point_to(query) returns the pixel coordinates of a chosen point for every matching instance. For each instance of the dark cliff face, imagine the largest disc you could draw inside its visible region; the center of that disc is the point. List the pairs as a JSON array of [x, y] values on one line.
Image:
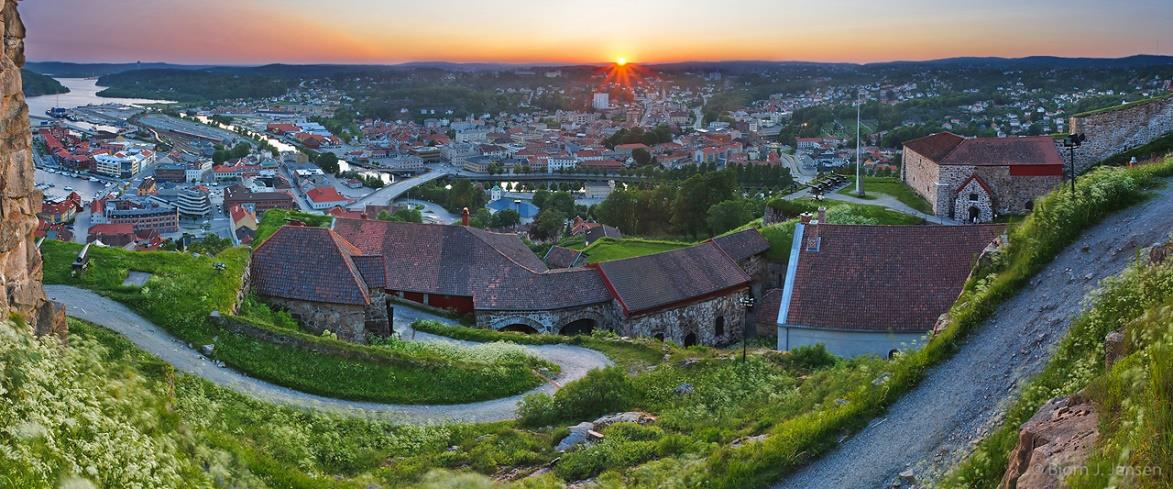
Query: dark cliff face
[[20, 261]]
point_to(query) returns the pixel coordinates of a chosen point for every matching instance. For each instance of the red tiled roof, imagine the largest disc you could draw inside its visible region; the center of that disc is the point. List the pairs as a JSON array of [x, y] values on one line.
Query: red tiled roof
[[1025, 150], [647, 283], [946, 148], [559, 257], [934, 146], [281, 267], [325, 194], [883, 278], [743, 244], [497, 270]]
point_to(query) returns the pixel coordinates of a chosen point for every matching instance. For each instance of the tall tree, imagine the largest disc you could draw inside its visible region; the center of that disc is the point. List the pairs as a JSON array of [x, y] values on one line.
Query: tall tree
[[620, 209]]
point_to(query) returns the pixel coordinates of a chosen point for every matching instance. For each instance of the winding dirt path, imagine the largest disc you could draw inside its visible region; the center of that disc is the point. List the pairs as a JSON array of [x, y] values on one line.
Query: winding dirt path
[[574, 361], [959, 401]]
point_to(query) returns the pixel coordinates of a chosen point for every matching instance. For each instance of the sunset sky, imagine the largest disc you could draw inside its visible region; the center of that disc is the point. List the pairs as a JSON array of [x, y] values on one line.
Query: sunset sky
[[556, 31]]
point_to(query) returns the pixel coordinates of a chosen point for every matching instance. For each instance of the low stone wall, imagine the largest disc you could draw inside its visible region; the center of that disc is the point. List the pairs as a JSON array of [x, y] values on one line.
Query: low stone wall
[[296, 340], [348, 322]]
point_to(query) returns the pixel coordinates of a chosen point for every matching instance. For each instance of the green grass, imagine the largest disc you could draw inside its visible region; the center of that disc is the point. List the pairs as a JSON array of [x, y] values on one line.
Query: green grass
[[892, 187], [634, 354], [101, 402], [1123, 106], [1158, 148], [610, 249], [184, 289], [273, 219]]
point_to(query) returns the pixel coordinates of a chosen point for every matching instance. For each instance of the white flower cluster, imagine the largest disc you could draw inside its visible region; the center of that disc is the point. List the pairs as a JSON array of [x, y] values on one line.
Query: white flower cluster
[[69, 422]]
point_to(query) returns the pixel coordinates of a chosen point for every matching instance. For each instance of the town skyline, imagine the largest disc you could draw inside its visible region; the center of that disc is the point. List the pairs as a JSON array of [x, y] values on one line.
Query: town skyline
[[526, 32]]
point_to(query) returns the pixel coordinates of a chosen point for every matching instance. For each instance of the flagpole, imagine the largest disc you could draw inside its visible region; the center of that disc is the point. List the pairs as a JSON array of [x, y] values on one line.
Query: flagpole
[[858, 178]]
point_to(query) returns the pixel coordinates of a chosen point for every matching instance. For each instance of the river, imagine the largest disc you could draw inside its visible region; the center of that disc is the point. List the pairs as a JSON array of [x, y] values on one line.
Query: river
[[82, 91]]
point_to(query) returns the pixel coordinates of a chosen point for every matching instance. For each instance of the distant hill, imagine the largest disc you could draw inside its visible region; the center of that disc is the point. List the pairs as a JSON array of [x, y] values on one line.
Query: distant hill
[[37, 84], [192, 85], [62, 69], [81, 70]]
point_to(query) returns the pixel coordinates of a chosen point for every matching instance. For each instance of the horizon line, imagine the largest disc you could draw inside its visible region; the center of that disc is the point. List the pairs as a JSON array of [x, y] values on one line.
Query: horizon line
[[558, 64]]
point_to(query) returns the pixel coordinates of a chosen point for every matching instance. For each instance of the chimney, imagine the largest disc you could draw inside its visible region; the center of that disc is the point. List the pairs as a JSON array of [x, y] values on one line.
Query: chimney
[[811, 232], [464, 216], [363, 216], [805, 217]]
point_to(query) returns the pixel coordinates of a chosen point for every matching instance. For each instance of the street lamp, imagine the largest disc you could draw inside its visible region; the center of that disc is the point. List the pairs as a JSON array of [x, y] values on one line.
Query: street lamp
[[747, 302], [1071, 142]]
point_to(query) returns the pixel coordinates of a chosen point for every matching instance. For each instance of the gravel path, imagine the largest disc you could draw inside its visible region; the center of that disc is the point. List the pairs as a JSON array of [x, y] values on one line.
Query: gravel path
[[83, 304], [933, 426]]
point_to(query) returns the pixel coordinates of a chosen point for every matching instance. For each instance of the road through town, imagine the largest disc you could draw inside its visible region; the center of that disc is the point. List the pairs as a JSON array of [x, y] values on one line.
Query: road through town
[[574, 361]]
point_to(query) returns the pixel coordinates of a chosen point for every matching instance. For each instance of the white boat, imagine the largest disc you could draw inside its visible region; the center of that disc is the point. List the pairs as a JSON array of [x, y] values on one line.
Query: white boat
[[93, 179], [68, 189]]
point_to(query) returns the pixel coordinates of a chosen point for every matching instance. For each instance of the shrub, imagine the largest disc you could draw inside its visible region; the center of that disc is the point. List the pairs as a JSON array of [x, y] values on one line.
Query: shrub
[[809, 357], [600, 392]]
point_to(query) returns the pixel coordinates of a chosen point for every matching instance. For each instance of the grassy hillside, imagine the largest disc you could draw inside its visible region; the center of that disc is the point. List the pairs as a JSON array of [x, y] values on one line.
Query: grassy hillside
[[184, 289], [36, 84]]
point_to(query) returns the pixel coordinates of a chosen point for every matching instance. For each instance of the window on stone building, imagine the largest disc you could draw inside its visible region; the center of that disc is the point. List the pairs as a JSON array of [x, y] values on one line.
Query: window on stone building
[[1029, 205], [973, 197], [720, 327]]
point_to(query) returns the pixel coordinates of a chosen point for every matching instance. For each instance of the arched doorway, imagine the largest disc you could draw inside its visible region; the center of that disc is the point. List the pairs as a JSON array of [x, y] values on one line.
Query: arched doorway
[[520, 328], [974, 213], [720, 326], [577, 327], [689, 340]]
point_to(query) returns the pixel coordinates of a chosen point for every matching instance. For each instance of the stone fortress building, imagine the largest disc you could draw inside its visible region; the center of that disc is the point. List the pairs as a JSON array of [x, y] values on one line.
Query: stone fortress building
[[977, 179], [349, 278]]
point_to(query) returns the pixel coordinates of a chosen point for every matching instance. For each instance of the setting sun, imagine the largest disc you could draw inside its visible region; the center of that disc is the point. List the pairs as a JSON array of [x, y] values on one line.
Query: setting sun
[[621, 61]]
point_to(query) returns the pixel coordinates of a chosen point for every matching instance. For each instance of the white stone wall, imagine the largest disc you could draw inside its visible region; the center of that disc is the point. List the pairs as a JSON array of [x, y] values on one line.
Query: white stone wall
[[848, 344]]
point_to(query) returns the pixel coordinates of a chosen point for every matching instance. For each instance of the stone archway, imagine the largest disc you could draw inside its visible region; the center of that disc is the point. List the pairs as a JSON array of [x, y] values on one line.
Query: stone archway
[[579, 322], [519, 328], [578, 326], [519, 324], [974, 214], [689, 339]]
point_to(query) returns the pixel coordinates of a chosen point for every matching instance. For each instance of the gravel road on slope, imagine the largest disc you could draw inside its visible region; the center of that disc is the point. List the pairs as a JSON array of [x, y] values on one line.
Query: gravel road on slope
[[933, 426], [574, 361]]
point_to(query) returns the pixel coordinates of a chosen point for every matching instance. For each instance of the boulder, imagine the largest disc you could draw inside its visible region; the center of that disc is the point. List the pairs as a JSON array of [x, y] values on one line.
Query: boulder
[[1053, 444], [1115, 348], [579, 434], [628, 417]]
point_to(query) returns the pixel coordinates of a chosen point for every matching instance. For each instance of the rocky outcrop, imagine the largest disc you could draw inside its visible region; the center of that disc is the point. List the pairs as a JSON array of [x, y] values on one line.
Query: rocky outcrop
[[1053, 444], [20, 261]]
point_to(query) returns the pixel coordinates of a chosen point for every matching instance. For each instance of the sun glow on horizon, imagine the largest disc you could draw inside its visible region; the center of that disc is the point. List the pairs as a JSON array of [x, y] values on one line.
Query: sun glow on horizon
[[621, 61]]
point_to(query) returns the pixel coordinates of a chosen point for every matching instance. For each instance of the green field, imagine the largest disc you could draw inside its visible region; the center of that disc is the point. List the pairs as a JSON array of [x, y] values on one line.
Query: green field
[[892, 187], [611, 249]]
